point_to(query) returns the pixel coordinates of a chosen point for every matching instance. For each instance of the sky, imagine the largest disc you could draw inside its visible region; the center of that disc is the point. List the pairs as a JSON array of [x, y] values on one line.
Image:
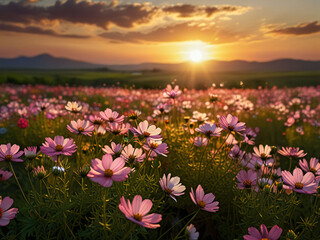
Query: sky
[[126, 31]]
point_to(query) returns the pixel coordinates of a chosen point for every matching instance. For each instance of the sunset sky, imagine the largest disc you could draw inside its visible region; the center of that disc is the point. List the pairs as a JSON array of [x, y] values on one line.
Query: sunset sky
[[118, 32]]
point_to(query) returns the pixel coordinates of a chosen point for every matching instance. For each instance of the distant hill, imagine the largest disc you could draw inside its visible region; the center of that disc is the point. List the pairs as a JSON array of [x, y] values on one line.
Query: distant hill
[[46, 61]]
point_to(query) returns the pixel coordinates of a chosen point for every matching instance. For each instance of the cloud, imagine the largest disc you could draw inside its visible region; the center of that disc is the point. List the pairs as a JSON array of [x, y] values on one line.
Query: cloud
[[104, 15], [37, 30], [177, 33], [300, 29]]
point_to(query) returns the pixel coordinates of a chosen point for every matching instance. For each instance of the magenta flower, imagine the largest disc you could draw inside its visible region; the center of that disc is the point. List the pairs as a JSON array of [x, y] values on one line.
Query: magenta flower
[[199, 141], [118, 128], [247, 180], [81, 127], [291, 152], [314, 166], [299, 182], [96, 121], [10, 153], [231, 123], [6, 214], [58, 146], [171, 186], [107, 170], [236, 153], [204, 201], [156, 146], [146, 131], [138, 210], [254, 233], [114, 150], [112, 117], [30, 152], [132, 155], [4, 175], [209, 129], [170, 92]]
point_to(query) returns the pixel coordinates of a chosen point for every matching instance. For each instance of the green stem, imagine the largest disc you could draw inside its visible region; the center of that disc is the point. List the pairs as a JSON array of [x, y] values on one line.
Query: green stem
[[15, 177]]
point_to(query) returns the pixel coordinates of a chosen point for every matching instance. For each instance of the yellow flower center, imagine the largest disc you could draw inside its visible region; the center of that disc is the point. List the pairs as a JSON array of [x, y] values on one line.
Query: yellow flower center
[[247, 183], [8, 158], [80, 129], [137, 217], [111, 119], [168, 191], [59, 147], [298, 185], [154, 145], [231, 128], [313, 170], [264, 238], [202, 204], [108, 173], [146, 134]]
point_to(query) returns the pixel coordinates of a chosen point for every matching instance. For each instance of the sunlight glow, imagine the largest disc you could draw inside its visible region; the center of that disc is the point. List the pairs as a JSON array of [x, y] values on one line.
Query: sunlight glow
[[196, 56]]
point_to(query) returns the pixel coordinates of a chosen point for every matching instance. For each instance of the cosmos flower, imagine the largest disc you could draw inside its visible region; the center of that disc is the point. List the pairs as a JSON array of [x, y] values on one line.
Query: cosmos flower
[[192, 233], [73, 107], [114, 150], [6, 214], [292, 152], [107, 170], [314, 166], [199, 141], [118, 128], [299, 182], [132, 155], [39, 172], [111, 116], [254, 233], [81, 127], [156, 146], [262, 152], [171, 186], [137, 212], [209, 129], [30, 152], [231, 123], [169, 92], [4, 175], [10, 153], [204, 201], [95, 120], [236, 153], [146, 130], [247, 180], [58, 146]]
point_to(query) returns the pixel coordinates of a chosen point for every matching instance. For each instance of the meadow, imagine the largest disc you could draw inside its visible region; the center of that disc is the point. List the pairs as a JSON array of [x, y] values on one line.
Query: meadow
[[117, 162], [159, 79]]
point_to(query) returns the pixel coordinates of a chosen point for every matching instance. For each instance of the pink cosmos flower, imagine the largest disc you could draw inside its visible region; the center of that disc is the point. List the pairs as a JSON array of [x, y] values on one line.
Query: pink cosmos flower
[[299, 182], [132, 155], [114, 150], [254, 233], [236, 153], [118, 128], [138, 210], [249, 136], [4, 175], [146, 131], [58, 146], [262, 152], [209, 129], [96, 121], [10, 153], [30, 152], [231, 123], [73, 107], [111, 116], [314, 166], [156, 146], [6, 214], [171, 186], [204, 201], [172, 93], [199, 141], [247, 180], [81, 127], [107, 170], [191, 231], [292, 152]]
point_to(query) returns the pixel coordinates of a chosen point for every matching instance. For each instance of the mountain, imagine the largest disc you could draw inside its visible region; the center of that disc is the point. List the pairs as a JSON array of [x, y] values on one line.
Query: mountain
[[45, 61]]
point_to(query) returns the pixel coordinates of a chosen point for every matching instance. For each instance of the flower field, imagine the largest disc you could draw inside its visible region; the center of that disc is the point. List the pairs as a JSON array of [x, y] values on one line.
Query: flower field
[[173, 163]]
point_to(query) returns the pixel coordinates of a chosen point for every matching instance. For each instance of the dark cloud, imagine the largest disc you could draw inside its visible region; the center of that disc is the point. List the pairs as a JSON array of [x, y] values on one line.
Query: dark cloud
[[176, 33], [37, 30], [103, 14], [188, 10], [300, 29]]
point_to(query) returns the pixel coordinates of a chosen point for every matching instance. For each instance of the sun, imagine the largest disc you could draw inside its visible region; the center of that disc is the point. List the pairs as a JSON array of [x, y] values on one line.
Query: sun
[[196, 56]]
